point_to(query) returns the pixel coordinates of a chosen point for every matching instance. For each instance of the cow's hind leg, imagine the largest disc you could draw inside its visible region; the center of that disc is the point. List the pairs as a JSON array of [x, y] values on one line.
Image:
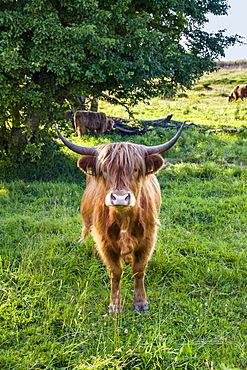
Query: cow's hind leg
[[85, 232]]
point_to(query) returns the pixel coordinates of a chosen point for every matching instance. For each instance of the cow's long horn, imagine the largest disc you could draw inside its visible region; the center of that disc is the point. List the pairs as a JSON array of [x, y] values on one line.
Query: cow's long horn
[[163, 147], [76, 148]]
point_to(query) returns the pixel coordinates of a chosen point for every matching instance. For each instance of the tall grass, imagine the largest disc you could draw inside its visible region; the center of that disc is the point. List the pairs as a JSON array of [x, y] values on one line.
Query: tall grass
[[54, 293]]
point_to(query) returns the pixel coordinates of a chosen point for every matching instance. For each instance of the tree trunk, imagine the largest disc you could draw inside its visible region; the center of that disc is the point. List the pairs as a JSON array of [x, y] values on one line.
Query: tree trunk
[[32, 122], [94, 105]]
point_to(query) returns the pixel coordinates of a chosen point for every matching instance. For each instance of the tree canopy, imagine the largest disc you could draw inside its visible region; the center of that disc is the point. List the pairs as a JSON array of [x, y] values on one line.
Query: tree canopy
[[53, 50]]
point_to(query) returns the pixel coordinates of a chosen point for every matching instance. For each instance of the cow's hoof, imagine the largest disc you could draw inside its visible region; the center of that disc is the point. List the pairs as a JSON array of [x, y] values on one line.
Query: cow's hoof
[[114, 309], [141, 308]]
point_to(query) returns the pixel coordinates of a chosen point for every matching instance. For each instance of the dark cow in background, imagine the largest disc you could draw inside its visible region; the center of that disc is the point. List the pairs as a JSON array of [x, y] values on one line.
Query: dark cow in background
[[239, 92], [120, 208], [92, 121]]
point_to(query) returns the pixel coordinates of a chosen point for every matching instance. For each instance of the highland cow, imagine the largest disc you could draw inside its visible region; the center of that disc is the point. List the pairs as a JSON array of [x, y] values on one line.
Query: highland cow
[[239, 92], [92, 121], [120, 208]]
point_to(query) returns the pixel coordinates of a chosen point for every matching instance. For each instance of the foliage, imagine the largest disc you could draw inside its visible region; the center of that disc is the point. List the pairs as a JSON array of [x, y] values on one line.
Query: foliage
[[53, 50], [54, 294]]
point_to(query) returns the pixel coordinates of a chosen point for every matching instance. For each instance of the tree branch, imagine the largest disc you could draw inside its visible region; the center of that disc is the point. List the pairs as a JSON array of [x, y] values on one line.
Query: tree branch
[[224, 130], [120, 124]]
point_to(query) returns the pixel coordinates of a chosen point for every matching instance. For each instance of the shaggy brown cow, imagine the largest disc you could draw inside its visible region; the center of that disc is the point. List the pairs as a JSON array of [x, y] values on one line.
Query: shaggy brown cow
[[92, 121], [120, 208], [239, 92]]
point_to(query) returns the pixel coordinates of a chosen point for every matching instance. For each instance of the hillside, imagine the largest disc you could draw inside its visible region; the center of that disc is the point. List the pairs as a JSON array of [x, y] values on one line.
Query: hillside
[[205, 104]]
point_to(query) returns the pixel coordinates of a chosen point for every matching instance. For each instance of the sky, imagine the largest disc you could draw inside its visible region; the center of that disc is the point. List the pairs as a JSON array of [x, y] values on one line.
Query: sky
[[234, 23]]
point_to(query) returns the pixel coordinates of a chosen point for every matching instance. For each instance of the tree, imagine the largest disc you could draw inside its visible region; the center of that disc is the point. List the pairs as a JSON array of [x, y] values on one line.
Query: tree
[[54, 50]]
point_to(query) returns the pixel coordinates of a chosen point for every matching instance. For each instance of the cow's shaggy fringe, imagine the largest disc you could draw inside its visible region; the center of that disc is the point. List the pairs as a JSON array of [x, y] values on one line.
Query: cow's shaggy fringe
[[124, 158]]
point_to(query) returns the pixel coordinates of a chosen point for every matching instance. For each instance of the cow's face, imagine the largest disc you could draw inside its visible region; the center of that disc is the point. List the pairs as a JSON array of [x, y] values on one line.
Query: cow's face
[[230, 98], [122, 167], [110, 124]]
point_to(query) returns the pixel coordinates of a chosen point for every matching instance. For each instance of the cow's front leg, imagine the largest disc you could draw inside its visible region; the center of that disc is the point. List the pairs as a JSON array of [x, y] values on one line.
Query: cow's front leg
[[115, 269], [140, 298], [116, 297]]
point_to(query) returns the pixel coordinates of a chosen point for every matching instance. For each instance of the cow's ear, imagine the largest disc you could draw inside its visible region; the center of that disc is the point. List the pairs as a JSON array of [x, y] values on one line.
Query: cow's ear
[[154, 162], [87, 164]]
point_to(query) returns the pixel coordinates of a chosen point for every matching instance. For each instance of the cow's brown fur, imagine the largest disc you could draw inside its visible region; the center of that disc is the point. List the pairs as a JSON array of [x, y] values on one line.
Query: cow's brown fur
[[122, 233], [92, 121], [239, 92]]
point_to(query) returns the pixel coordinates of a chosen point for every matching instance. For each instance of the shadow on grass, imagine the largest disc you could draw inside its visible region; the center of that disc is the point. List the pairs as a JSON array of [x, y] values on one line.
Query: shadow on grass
[[192, 147], [54, 166]]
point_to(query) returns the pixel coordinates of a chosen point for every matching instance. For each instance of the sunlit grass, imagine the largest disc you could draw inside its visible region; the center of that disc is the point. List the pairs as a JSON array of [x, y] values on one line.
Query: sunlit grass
[[206, 104]]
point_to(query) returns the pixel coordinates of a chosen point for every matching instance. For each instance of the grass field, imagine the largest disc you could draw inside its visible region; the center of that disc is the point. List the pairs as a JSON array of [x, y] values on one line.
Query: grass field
[[54, 294], [204, 105]]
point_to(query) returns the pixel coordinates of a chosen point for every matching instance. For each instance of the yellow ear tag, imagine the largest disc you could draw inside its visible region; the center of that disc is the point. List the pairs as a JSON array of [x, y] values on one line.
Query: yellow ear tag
[[151, 169]]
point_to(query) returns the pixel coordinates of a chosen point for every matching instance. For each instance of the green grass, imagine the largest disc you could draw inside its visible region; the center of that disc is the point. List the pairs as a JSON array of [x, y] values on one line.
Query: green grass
[[54, 294]]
